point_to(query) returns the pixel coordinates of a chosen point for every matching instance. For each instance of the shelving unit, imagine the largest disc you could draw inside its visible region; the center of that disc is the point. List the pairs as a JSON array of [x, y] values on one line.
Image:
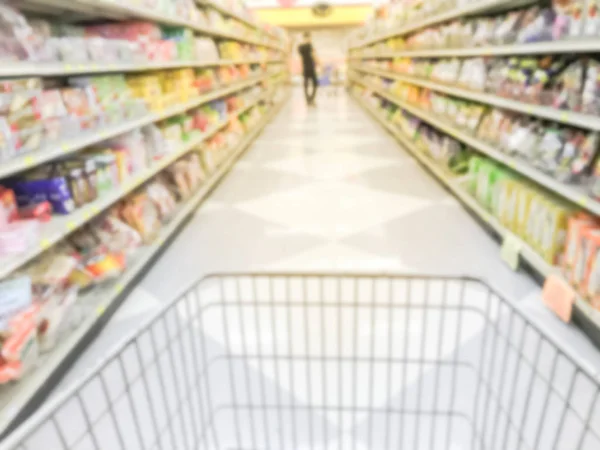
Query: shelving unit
[[111, 9], [365, 59], [527, 254], [33, 159], [572, 193], [20, 398], [24, 397], [536, 48], [587, 121], [446, 14], [59, 227], [66, 69]]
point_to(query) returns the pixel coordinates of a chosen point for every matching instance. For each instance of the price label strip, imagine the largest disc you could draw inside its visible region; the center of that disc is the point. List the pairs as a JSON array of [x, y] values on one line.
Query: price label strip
[[511, 248]]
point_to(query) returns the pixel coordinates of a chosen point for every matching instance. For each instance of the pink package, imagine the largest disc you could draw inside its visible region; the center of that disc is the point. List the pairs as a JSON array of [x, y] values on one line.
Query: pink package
[[130, 31], [18, 237]]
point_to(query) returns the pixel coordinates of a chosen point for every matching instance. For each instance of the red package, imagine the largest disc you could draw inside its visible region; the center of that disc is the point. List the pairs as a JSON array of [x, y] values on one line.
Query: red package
[[42, 212], [8, 206]]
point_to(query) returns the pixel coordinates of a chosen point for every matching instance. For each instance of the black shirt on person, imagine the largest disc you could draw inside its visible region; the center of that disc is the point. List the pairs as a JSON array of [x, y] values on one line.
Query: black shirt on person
[[308, 62]]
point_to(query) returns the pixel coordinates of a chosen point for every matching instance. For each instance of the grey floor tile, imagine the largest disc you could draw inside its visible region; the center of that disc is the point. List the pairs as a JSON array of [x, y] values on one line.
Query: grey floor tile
[[444, 240], [405, 177], [253, 182], [224, 240]]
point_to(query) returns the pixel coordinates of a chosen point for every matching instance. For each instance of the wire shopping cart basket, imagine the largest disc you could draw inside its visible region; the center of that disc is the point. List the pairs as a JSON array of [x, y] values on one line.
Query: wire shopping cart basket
[[249, 362]]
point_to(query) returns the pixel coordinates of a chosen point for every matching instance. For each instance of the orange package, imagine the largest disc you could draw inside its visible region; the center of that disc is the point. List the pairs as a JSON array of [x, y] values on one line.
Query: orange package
[[591, 285], [575, 229]]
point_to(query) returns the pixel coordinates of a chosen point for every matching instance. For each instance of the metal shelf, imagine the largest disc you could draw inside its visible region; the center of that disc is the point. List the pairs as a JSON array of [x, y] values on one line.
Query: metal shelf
[[19, 69], [538, 48], [535, 261], [113, 9], [586, 121], [470, 9], [235, 16], [573, 193], [60, 226], [20, 399], [27, 161]]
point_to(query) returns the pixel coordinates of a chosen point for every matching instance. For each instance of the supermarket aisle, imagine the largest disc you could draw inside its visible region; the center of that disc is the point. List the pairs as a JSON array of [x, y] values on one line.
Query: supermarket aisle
[[326, 189]]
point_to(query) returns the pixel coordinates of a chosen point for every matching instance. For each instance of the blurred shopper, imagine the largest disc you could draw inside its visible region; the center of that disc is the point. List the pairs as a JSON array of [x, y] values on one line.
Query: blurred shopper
[[309, 68]]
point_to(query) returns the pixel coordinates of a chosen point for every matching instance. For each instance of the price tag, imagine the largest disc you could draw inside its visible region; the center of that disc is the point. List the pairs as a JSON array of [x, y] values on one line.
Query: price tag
[[71, 226], [45, 244], [119, 288], [65, 147], [68, 67], [583, 201], [564, 116], [511, 248], [559, 296], [529, 110], [29, 161], [100, 310]]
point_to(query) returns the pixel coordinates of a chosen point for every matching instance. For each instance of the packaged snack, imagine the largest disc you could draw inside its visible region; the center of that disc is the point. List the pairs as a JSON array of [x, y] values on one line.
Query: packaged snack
[[19, 236], [591, 89], [550, 147], [15, 297], [55, 318], [536, 25], [553, 232], [20, 349], [41, 211], [571, 82], [19, 42], [576, 227], [61, 192], [8, 206], [117, 236], [139, 212], [162, 199]]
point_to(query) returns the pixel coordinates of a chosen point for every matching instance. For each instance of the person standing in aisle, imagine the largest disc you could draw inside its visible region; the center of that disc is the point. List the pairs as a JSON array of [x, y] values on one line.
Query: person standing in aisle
[[309, 63]]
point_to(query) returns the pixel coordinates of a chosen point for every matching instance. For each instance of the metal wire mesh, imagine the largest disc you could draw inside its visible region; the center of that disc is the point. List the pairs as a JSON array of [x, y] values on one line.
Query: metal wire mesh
[[329, 362]]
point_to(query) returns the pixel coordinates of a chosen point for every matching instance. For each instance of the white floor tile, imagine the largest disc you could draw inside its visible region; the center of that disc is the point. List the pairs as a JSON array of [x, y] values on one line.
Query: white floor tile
[[332, 209]]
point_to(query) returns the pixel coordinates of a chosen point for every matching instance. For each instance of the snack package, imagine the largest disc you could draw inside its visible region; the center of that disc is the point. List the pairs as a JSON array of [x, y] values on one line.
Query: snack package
[[576, 226], [20, 349], [582, 252], [19, 236], [116, 235], [140, 213], [590, 255], [162, 199], [591, 286]]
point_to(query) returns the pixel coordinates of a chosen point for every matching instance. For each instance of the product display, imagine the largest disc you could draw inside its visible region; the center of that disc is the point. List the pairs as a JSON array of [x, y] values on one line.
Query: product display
[[101, 167], [558, 21], [514, 136]]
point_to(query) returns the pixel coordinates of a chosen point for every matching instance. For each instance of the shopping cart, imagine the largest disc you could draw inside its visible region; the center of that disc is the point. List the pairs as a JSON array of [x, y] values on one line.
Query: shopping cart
[[329, 362]]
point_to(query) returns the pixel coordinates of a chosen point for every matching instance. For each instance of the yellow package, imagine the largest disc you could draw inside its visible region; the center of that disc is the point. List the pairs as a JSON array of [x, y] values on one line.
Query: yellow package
[[507, 205], [522, 213], [553, 233]]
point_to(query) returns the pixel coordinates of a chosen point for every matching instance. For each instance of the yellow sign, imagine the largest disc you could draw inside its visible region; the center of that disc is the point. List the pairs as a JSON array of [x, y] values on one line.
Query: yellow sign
[[305, 17]]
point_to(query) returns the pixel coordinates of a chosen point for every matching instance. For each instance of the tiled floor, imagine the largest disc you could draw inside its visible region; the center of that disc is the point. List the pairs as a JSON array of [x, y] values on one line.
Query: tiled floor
[[325, 189]]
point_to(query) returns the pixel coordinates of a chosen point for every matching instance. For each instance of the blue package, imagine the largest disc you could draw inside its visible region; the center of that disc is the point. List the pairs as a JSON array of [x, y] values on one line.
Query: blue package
[[54, 190]]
